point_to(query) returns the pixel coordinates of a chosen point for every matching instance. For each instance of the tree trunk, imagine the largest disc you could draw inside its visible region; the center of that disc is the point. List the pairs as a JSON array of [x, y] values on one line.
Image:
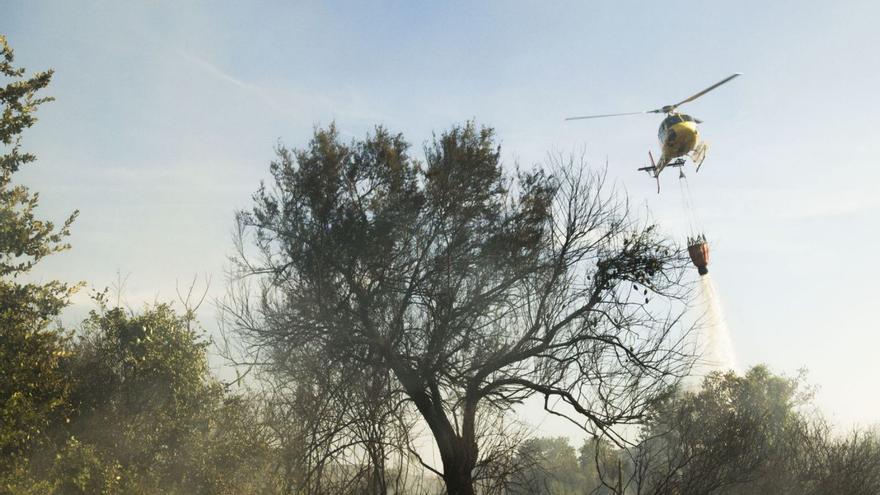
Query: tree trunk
[[458, 469], [461, 459], [459, 484], [458, 453]]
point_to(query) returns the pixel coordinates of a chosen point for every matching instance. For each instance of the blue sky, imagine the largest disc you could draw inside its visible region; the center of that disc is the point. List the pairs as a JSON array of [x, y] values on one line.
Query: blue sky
[[167, 114]]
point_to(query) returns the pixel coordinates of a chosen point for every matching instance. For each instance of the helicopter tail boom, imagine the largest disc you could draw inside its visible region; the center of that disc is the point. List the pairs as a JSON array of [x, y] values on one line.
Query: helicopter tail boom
[[653, 170]]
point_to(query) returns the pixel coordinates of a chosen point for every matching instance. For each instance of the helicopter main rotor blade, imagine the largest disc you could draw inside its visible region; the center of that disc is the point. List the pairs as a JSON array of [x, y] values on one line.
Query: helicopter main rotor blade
[[604, 115], [665, 109], [701, 93]]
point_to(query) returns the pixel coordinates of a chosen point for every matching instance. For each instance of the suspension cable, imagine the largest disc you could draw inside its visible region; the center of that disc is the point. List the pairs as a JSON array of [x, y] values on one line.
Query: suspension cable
[[689, 207]]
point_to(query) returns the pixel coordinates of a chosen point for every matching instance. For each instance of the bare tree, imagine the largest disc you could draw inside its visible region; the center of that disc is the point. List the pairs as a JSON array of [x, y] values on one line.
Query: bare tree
[[337, 430], [473, 290], [849, 465]]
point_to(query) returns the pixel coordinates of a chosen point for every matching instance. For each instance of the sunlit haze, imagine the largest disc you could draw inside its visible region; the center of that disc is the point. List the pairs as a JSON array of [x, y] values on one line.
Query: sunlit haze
[[167, 115]]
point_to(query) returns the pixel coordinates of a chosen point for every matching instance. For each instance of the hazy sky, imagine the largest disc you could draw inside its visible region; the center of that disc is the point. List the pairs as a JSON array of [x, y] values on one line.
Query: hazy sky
[[167, 114]]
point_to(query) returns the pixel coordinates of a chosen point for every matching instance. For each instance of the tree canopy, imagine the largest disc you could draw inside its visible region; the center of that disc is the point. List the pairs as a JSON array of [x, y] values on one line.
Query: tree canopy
[[125, 404], [473, 288], [32, 392]]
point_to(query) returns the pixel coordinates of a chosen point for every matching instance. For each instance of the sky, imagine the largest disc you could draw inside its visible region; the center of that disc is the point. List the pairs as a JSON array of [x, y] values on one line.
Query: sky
[[167, 115]]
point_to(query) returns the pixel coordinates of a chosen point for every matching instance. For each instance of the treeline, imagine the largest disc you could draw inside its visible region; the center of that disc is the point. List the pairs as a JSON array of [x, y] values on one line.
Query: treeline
[[737, 435], [124, 403], [394, 303]]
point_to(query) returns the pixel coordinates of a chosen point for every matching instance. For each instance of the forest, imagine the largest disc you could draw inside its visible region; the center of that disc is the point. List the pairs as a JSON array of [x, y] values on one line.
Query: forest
[[382, 307]]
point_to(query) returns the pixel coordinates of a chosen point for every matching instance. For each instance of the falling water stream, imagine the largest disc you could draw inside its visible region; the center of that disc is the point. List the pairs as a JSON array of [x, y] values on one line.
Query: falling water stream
[[711, 338]]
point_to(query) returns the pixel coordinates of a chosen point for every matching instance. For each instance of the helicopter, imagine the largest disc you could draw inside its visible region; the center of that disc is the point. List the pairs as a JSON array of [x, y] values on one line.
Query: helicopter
[[678, 135]]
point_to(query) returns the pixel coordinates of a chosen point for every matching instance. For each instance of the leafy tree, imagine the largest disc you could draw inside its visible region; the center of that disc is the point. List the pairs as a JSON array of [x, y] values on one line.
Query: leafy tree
[[602, 465], [130, 406], [471, 289], [145, 401], [739, 434], [140, 388], [80, 469], [33, 390], [844, 465], [554, 469]]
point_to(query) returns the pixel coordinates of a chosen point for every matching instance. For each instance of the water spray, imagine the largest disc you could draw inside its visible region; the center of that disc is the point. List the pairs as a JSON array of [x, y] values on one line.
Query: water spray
[[713, 343]]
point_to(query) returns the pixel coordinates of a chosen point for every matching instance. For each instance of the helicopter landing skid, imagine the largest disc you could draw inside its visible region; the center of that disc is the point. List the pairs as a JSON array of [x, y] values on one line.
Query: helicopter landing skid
[[654, 172]]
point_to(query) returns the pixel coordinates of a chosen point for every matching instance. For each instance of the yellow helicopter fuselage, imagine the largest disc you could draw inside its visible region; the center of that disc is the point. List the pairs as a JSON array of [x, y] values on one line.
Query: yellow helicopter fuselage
[[678, 136]]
